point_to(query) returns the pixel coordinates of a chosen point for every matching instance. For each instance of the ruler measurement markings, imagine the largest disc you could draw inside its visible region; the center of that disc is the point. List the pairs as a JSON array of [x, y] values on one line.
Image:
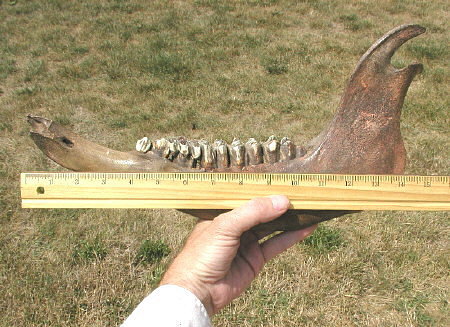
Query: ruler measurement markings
[[85, 181]]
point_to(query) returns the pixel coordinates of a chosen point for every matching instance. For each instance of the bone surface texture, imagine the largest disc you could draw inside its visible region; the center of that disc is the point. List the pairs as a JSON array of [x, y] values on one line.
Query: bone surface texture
[[363, 137]]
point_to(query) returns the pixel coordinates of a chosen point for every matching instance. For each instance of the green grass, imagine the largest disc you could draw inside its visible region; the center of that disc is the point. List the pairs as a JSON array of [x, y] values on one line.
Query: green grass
[[115, 71], [325, 239], [151, 252], [89, 250]]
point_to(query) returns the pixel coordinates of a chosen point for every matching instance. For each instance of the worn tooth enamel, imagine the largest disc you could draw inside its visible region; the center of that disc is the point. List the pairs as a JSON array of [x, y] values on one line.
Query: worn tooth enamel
[[237, 153], [143, 145], [161, 147], [183, 148], [287, 149], [370, 107], [184, 157], [196, 152], [271, 150], [254, 152], [221, 152], [172, 145], [208, 160]]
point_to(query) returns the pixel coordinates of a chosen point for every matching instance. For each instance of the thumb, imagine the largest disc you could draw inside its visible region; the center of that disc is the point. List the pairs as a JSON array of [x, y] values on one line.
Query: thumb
[[254, 212]]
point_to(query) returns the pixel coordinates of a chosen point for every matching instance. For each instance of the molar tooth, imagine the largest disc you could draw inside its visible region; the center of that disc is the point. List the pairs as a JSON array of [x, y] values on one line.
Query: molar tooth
[[271, 150], [287, 149], [237, 153], [208, 159], [143, 145], [183, 148], [196, 152], [254, 152], [221, 152], [161, 147], [173, 148], [184, 157]]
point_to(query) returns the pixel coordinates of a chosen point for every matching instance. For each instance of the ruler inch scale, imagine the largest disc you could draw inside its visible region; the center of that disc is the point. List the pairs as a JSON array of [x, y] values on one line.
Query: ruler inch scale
[[229, 190]]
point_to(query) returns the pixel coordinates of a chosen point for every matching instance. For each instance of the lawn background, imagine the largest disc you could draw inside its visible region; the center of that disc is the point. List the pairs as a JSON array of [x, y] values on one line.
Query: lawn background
[[115, 71]]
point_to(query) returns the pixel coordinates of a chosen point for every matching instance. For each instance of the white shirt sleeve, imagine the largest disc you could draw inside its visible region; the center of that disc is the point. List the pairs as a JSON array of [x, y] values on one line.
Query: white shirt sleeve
[[169, 306]]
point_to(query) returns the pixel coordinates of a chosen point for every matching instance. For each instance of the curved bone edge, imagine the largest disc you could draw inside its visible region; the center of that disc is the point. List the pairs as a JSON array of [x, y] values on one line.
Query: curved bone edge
[[377, 59], [291, 220], [364, 136], [299, 219], [76, 153]]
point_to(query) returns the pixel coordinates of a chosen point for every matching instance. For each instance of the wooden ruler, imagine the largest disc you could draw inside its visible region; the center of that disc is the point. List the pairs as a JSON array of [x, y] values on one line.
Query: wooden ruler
[[229, 190]]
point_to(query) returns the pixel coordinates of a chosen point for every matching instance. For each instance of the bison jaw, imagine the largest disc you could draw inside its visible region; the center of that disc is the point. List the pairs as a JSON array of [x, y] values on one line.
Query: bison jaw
[[363, 137]]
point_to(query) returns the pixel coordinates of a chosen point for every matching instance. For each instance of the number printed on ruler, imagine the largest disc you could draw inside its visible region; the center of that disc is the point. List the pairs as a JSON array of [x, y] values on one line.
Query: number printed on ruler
[[227, 190]]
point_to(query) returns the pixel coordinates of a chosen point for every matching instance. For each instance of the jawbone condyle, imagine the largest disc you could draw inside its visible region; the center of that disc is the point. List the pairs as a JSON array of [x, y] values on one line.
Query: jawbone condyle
[[363, 138]]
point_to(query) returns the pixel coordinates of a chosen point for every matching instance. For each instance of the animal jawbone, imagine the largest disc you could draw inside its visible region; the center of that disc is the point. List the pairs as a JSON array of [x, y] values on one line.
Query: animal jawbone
[[363, 138]]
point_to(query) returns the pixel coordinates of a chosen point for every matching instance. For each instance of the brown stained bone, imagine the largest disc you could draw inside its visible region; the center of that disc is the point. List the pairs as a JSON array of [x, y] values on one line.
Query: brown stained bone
[[253, 152], [288, 149], [196, 152], [172, 145], [161, 147], [221, 154], [271, 150], [184, 158], [237, 154], [363, 137], [208, 159], [300, 151], [76, 153]]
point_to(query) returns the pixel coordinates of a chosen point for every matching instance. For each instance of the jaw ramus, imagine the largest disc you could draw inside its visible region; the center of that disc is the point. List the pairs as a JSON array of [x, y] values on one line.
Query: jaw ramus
[[363, 138]]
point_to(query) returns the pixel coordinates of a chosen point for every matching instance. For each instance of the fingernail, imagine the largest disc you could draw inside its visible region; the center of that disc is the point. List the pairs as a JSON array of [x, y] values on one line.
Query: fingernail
[[279, 202]]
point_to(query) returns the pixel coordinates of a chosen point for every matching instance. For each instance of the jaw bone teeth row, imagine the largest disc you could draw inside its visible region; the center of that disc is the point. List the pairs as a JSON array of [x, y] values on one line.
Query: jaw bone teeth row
[[201, 154], [375, 93]]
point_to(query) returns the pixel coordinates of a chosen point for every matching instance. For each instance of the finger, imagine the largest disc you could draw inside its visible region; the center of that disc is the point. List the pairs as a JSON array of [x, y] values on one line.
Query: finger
[[283, 241], [248, 237], [254, 212]]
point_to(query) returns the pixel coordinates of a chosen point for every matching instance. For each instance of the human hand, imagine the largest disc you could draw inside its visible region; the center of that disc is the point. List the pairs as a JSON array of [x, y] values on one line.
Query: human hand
[[222, 256]]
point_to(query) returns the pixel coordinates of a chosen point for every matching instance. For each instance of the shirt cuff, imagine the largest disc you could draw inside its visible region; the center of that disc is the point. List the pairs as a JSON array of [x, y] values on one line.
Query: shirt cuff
[[169, 305]]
